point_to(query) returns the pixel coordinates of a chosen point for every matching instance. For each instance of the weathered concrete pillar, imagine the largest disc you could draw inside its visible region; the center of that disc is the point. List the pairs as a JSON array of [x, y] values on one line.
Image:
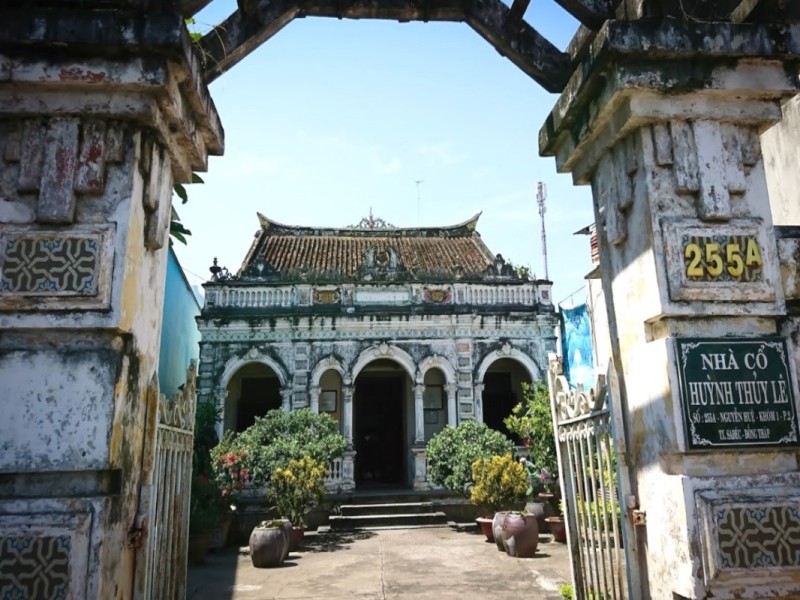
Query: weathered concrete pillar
[[100, 111], [347, 414], [478, 395], [419, 415], [313, 396], [452, 413], [668, 138], [286, 399]]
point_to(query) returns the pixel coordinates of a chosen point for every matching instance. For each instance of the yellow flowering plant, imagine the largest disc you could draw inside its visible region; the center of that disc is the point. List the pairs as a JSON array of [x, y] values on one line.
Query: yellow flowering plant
[[499, 482], [298, 488]]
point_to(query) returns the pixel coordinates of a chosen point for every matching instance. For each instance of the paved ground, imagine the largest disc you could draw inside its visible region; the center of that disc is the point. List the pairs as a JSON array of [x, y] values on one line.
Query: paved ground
[[417, 564]]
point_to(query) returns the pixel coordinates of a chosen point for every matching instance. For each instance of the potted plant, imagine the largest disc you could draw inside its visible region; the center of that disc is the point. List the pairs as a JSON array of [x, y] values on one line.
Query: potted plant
[[231, 477], [270, 444], [295, 490], [204, 515], [499, 482], [557, 526]]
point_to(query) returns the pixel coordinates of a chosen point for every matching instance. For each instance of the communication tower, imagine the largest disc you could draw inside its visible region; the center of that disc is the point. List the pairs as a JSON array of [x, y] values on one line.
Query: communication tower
[[541, 196]]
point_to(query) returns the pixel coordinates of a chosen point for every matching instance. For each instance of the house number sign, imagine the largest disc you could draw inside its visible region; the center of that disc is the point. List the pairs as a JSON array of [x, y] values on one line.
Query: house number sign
[[736, 393], [722, 258]]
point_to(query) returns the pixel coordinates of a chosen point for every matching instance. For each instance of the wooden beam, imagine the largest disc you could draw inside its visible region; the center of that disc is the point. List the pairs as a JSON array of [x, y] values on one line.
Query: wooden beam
[[522, 45], [741, 12], [592, 13]]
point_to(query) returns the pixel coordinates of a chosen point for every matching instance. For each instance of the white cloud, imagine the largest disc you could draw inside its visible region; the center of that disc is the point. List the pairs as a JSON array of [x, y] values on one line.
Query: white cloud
[[442, 153], [387, 167]]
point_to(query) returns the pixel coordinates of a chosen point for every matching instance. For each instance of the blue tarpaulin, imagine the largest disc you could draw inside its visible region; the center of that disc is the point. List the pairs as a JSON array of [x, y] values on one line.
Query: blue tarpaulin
[[576, 346]]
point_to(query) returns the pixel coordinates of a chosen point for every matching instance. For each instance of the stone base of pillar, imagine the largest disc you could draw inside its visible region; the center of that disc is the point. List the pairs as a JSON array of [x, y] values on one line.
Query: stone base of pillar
[[420, 469], [348, 471]]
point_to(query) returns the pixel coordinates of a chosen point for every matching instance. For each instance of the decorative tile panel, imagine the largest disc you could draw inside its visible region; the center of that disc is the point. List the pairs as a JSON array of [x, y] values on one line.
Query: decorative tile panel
[[758, 536], [55, 270], [750, 531], [45, 555], [34, 567]]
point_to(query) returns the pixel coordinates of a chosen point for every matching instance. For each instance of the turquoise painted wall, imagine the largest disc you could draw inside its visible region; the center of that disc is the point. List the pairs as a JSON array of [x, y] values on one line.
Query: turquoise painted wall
[[180, 337]]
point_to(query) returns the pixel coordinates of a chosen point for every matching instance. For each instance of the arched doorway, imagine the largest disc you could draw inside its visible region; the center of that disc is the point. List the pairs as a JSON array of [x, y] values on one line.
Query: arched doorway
[[502, 391], [382, 408], [252, 391]]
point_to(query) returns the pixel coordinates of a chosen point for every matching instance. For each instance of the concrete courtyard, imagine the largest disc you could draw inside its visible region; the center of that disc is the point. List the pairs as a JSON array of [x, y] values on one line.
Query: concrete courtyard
[[427, 563]]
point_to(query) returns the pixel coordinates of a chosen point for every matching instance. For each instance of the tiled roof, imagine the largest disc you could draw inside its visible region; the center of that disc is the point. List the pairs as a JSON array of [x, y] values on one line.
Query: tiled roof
[[356, 252]]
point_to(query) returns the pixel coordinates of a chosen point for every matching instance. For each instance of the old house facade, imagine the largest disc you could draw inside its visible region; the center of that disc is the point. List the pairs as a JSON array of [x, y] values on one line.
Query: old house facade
[[396, 332]]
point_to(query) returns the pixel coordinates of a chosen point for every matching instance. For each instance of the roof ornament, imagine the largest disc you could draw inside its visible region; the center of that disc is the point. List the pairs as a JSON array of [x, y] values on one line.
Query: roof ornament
[[219, 273], [371, 222]]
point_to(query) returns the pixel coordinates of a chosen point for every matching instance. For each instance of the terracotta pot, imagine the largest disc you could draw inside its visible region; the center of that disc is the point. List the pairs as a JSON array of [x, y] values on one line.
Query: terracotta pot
[[199, 544], [486, 528], [520, 535], [269, 546], [541, 509], [497, 529], [296, 537], [557, 528]]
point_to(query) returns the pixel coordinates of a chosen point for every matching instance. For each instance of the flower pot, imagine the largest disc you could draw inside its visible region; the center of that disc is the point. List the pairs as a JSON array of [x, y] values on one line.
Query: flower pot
[[541, 509], [486, 528], [497, 529], [520, 534], [269, 545], [219, 535], [296, 537], [557, 528], [199, 543]]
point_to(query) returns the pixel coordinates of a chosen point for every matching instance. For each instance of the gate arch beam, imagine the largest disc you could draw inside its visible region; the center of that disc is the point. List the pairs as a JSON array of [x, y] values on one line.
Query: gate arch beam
[[245, 30]]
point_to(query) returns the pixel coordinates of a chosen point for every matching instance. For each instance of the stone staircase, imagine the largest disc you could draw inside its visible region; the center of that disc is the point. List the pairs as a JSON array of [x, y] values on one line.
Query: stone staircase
[[378, 514]]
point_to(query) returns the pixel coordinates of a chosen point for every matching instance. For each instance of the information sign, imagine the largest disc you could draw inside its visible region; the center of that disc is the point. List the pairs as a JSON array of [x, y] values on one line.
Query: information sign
[[736, 393]]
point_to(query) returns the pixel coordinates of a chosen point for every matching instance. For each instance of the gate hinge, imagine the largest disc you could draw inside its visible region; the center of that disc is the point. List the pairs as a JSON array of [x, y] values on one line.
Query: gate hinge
[[137, 532], [638, 516]]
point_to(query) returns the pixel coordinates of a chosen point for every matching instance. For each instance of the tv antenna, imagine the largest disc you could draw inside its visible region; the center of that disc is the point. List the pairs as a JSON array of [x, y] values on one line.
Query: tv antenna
[[418, 181], [541, 197]]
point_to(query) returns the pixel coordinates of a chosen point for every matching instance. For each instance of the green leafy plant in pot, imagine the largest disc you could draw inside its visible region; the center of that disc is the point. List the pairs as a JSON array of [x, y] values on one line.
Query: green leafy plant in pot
[[295, 490], [499, 482]]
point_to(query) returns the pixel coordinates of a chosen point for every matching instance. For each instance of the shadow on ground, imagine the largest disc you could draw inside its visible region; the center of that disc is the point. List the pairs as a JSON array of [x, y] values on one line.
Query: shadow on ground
[[334, 540]]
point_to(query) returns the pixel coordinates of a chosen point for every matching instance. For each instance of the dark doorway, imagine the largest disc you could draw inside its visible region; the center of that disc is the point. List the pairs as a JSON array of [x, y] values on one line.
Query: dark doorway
[[498, 400], [378, 426], [259, 396]]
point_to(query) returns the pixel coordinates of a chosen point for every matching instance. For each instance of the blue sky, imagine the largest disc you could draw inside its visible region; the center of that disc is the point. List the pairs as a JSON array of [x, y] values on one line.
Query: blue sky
[[329, 119]]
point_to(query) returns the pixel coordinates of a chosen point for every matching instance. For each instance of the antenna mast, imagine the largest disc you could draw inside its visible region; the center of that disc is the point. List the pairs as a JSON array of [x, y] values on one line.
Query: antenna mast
[[541, 196]]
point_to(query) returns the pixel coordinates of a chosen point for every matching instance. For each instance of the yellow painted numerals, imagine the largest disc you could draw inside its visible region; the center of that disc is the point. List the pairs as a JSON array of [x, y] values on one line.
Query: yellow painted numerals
[[737, 258]]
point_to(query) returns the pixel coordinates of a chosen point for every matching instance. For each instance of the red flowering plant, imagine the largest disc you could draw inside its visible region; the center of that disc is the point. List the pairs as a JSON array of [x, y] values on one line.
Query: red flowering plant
[[229, 468]]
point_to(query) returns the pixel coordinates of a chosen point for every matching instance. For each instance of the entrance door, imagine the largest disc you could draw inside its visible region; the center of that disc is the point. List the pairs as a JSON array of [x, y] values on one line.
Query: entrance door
[[378, 430]]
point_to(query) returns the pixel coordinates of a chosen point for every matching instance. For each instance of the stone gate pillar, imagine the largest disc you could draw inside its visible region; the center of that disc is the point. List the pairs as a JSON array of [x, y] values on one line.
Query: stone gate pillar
[[668, 138], [100, 111]]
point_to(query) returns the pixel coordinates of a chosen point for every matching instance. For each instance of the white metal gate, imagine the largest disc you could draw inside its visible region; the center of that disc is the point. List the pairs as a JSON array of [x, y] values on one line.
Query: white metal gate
[[593, 481], [166, 494]]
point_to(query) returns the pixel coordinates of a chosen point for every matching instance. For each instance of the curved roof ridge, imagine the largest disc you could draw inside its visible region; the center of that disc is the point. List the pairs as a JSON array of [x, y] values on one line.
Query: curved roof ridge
[[267, 223]]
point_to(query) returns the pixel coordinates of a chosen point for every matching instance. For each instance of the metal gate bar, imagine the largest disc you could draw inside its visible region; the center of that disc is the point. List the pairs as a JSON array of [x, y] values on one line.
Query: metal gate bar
[[589, 481]]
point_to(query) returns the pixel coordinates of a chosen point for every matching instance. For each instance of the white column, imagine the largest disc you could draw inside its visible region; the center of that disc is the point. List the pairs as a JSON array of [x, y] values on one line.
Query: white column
[[452, 416], [419, 415], [478, 399], [286, 400], [347, 392], [313, 397]]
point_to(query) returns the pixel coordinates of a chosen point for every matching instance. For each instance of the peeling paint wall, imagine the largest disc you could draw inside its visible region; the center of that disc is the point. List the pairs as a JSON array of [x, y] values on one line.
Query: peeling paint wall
[[781, 160]]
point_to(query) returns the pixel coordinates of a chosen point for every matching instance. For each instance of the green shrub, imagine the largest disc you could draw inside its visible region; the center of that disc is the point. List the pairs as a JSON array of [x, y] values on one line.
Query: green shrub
[[566, 592], [499, 482], [452, 451], [274, 440], [532, 421]]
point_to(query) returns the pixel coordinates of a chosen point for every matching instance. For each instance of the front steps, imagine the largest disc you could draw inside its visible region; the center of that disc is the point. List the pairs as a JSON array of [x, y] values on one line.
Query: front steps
[[387, 515]]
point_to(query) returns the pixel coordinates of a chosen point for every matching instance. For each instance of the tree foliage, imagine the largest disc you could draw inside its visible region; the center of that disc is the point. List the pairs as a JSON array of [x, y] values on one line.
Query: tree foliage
[[452, 451], [532, 420]]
